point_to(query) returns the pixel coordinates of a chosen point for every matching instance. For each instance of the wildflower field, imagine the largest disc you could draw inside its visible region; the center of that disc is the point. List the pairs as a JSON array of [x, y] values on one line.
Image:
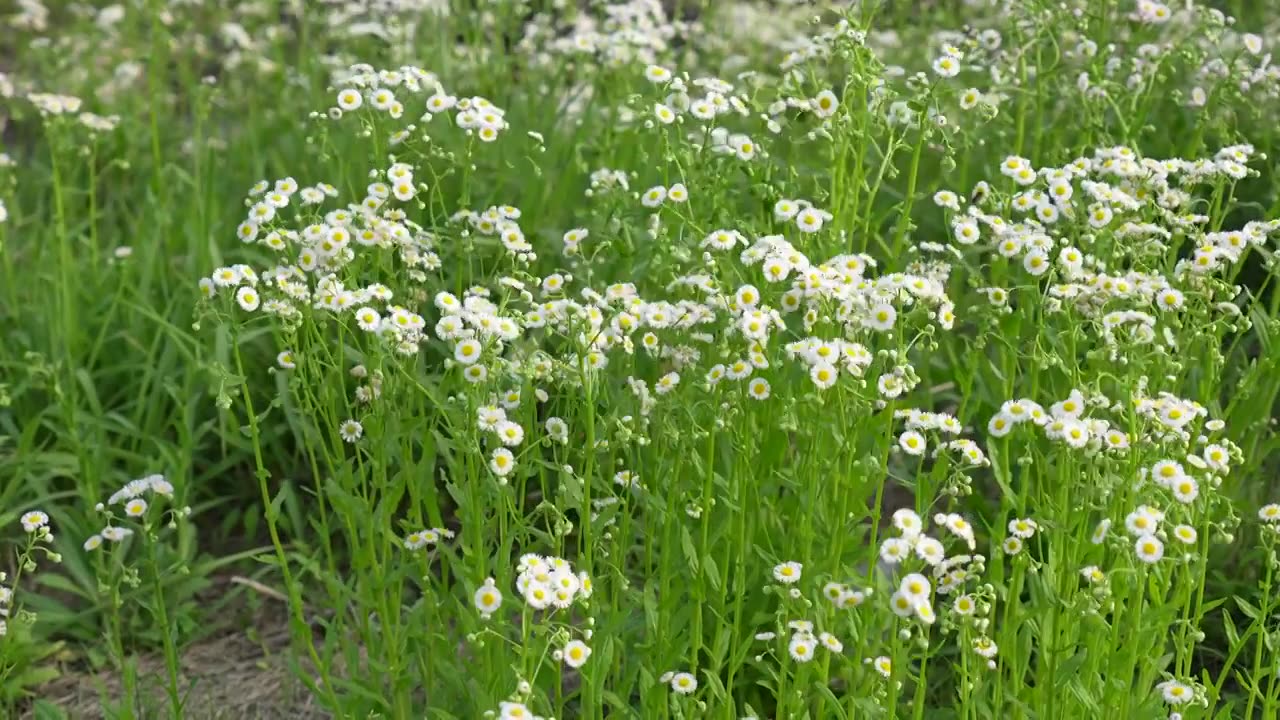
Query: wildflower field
[[639, 359]]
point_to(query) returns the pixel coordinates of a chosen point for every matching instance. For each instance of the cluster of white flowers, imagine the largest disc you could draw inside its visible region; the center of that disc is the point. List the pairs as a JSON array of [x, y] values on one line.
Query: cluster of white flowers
[[420, 539], [734, 310], [133, 499], [550, 582]]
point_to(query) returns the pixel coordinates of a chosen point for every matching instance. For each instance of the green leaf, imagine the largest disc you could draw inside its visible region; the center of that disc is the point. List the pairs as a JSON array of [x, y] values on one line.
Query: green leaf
[[1252, 612], [690, 554], [651, 607], [45, 710], [715, 687], [1233, 635], [273, 512], [1211, 605], [63, 584], [343, 502], [1069, 668], [711, 572]]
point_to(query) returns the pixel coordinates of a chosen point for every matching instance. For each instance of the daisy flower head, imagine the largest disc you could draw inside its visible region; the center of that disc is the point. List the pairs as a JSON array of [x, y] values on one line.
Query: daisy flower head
[[1149, 549], [785, 209], [419, 539], [350, 430], [1023, 527], [467, 351], [510, 433], [894, 550], [946, 199], [787, 573], [115, 534], [882, 317], [683, 683], [657, 74], [902, 604], [985, 647], [851, 599], [488, 598], [824, 104], [966, 231], [349, 99], [508, 710], [1185, 490], [883, 665], [810, 219], [916, 587], [924, 611], [912, 443], [1185, 534], [1167, 472], [1000, 424], [833, 590], [1175, 693], [208, 288], [930, 550], [823, 375], [1216, 457], [475, 374], [34, 520], [248, 298], [654, 196], [907, 522], [831, 642], [801, 647], [368, 319], [502, 462], [576, 653], [1142, 521], [946, 66]]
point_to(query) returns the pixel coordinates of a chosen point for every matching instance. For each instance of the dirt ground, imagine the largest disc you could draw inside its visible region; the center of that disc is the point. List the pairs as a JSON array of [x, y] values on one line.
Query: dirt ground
[[235, 674]]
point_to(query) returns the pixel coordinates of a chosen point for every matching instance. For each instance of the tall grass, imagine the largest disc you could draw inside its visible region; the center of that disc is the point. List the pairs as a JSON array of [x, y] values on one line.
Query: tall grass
[[790, 361]]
